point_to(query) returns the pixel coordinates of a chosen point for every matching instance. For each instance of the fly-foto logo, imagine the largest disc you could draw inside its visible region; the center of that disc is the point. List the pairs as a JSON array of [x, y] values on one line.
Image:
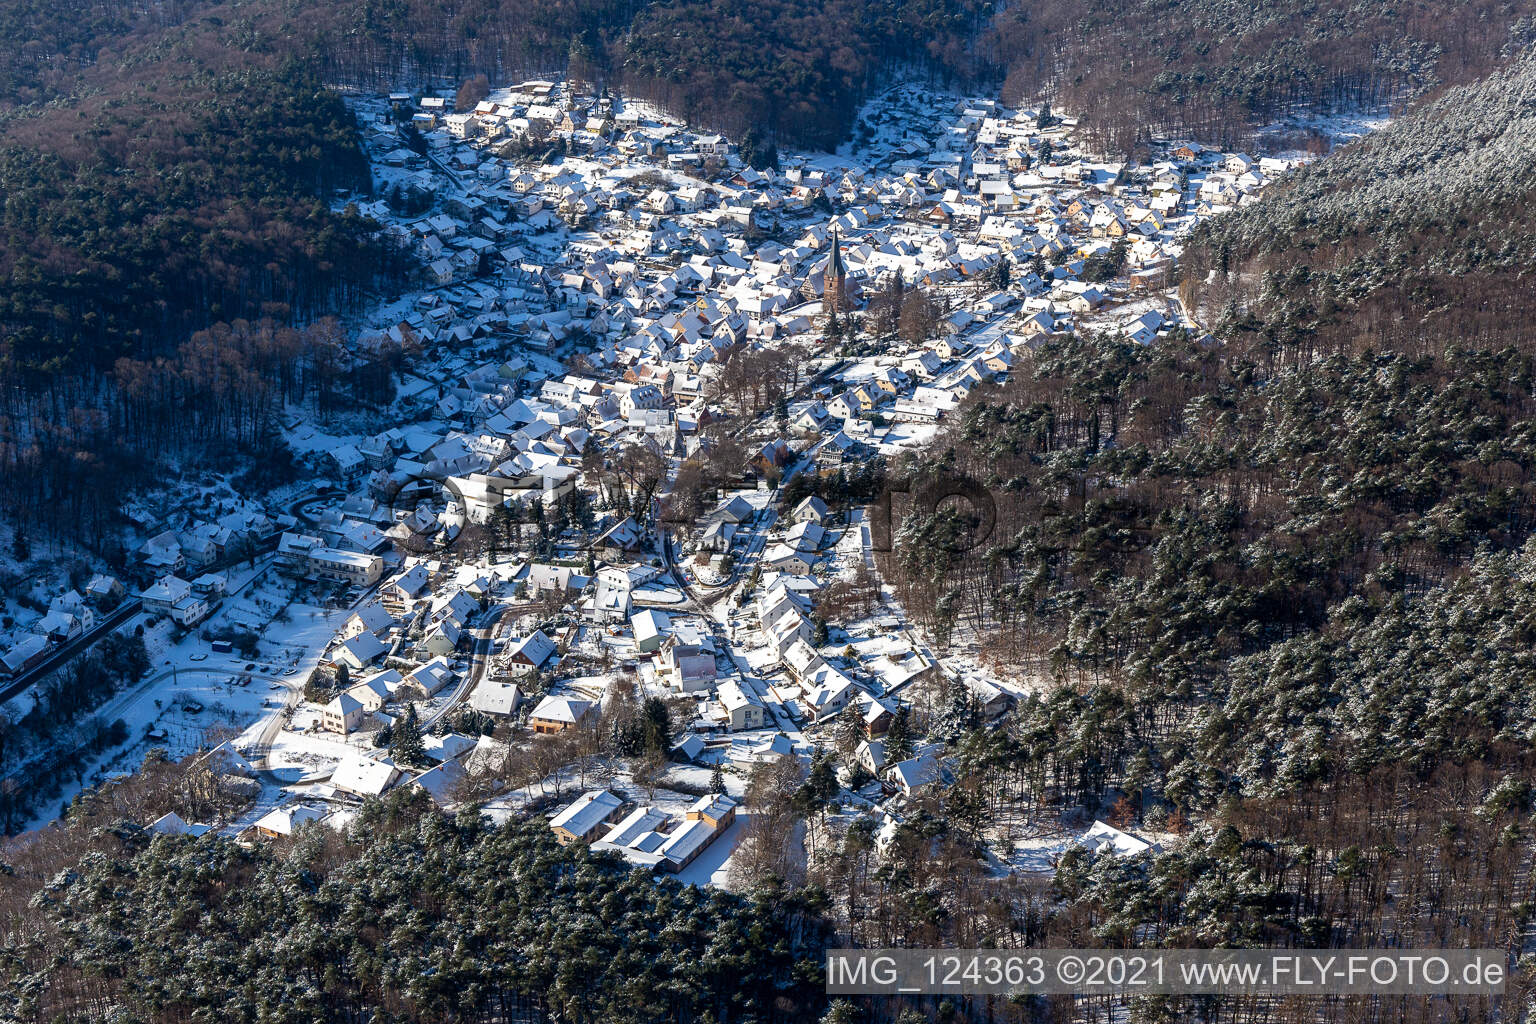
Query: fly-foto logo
[[415, 502], [971, 504]]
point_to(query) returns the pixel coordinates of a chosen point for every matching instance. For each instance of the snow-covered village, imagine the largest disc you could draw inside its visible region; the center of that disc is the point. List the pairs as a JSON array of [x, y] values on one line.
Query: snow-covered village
[[606, 556], [695, 512]]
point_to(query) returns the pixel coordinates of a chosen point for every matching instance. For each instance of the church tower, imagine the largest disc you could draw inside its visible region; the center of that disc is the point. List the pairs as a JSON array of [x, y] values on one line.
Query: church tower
[[835, 280]]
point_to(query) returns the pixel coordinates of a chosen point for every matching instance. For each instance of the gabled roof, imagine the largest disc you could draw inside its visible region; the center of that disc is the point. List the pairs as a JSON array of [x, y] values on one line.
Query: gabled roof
[[561, 709], [373, 617], [364, 776], [915, 772], [586, 812], [536, 648], [364, 647], [284, 820]]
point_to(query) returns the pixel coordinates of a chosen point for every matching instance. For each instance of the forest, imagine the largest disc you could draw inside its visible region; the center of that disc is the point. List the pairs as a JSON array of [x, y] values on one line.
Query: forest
[[1148, 69], [162, 176], [1418, 233], [408, 916], [1289, 600]]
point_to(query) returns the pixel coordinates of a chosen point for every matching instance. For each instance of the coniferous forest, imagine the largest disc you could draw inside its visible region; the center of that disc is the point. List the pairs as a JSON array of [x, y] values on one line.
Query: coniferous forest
[[1419, 236], [411, 916]]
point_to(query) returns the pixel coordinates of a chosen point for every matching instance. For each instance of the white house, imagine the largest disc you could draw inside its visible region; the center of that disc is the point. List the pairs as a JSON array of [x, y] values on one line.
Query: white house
[[344, 714], [360, 651], [364, 777], [742, 710], [1103, 838], [494, 697], [650, 629]]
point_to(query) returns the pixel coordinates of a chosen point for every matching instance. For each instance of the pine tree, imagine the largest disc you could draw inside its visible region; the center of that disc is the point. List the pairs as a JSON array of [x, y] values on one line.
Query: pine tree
[[21, 546], [536, 515], [717, 780], [655, 726], [819, 788], [850, 729], [1002, 276], [405, 745], [841, 1012], [898, 739]]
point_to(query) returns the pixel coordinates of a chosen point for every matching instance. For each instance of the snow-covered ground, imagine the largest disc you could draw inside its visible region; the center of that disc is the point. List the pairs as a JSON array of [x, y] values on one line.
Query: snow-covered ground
[[193, 696]]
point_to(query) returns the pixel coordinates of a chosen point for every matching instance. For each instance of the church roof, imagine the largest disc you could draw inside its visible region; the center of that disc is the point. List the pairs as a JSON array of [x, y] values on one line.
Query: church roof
[[835, 266]]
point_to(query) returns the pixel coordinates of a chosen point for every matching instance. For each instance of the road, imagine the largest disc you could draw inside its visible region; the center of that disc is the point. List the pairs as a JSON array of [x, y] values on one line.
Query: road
[[480, 651], [122, 705], [484, 637], [69, 650], [119, 617]]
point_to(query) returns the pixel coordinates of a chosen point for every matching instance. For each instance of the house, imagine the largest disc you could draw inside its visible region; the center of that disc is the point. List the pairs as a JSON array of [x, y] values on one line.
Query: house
[[802, 661], [426, 681], [811, 510], [871, 754], [104, 589], [611, 597], [741, 709], [407, 586], [914, 774], [493, 697], [59, 625], [371, 618], [545, 579], [763, 751], [441, 781], [344, 714], [845, 406], [806, 537], [531, 651], [717, 536], [442, 640], [686, 663], [1102, 838], [736, 510], [211, 586], [282, 822], [348, 711], [556, 714], [447, 747], [688, 748], [24, 655], [171, 595], [345, 566], [639, 837], [702, 824], [621, 539], [360, 651], [650, 628], [584, 818], [877, 718], [828, 693], [173, 824], [162, 553], [364, 777], [788, 559]]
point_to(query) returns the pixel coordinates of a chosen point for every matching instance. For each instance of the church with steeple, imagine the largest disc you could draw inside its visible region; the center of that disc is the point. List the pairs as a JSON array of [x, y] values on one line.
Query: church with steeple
[[830, 282]]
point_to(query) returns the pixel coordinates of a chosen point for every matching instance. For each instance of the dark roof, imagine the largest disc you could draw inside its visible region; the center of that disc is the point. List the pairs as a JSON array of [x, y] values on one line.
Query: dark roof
[[835, 266]]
